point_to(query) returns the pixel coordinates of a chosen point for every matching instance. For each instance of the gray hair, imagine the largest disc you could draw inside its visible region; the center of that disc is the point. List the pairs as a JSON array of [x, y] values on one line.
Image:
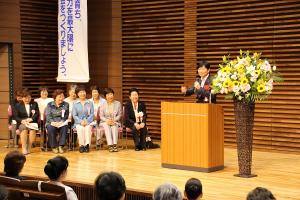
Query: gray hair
[[167, 191]]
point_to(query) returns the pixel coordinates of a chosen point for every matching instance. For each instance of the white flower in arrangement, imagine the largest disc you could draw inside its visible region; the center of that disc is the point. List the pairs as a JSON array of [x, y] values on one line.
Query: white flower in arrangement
[[237, 93], [235, 88], [223, 79], [243, 61], [271, 81], [269, 88], [224, 91], [234, 76], [250, 69], [266, 66], [274, 68], [245, 88], [253, 79]]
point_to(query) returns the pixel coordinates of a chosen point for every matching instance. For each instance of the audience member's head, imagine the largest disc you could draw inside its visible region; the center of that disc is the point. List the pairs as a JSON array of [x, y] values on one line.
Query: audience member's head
[[167, 192], [3, 193], [110, 186], [13, 163], [56, 168], [260, 193], [193, 189]]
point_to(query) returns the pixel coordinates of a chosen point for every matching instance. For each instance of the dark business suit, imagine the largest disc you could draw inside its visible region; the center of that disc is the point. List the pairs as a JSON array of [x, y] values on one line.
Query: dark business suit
[[202, 92], [130, 120], [20, 112]]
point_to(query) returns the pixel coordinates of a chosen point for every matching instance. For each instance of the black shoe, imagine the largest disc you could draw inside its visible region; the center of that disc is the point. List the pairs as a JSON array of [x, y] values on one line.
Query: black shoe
[[87, 148], [81, 149], [137, 148]]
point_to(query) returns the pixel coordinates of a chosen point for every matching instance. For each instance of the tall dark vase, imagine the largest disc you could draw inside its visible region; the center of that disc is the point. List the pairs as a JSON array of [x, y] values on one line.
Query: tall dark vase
[[244, 118]]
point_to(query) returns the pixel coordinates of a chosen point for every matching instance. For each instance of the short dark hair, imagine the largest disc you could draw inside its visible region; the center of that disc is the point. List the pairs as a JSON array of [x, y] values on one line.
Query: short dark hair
[[193, 188], [133, 90], [108, 90], [260, 193], [203, 64], [43, 89], [55, 167], [18, 92], [110, 186], [13, 163], [56, 93], [95, 87], [80, 88], [26, 92]]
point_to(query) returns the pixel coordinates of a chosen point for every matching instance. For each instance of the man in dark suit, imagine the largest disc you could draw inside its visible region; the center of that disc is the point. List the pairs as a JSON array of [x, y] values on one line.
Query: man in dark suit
[[27, 116], [202, 85], [135, 119]]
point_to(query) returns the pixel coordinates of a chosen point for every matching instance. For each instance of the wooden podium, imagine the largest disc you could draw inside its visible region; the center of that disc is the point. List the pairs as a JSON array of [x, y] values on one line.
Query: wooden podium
[[192, 136]]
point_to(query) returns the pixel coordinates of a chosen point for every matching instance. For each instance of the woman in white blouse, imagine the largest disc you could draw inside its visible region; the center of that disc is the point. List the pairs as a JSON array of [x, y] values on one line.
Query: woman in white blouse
[[43, 102]]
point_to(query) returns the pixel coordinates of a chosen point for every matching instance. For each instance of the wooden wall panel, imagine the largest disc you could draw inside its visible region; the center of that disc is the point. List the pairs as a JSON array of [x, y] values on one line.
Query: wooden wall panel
[[153, 53], [163, 40], [115, 59], [4, 88], [273, 28], [39, 44], [9, 37], [99, 37]]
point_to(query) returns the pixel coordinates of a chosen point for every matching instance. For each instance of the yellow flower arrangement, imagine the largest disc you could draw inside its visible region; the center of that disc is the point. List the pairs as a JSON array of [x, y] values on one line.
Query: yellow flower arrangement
[[248, 77]]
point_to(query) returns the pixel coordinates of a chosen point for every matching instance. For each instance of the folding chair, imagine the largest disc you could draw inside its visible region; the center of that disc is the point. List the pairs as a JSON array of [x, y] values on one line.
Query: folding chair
[[32, 189]]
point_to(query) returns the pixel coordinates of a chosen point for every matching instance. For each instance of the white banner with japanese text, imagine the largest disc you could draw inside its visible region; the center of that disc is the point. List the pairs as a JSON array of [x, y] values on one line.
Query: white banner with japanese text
[[73, 63]]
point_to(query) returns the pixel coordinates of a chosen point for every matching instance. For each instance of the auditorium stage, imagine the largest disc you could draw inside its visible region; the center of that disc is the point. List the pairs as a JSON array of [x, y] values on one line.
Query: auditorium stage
[[142, 171]]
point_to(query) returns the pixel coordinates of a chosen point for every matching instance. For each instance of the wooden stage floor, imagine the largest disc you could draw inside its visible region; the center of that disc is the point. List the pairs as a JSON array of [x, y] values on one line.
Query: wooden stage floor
[[142, 171]]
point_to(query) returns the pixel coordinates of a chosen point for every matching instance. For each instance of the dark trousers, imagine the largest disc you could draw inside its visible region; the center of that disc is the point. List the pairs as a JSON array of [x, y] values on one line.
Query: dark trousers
[[52, 136], [139, 136]]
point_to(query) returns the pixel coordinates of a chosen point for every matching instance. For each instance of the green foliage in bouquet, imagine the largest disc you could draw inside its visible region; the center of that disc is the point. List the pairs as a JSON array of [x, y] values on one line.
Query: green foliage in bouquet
[[246, 78]]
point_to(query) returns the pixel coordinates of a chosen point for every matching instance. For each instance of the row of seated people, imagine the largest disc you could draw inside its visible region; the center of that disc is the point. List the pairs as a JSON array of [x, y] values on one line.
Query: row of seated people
[[84, 115], [111, 185]]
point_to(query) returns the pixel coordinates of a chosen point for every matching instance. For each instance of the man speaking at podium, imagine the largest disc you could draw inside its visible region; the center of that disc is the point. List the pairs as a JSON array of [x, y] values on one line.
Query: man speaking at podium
[[202, 85]]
